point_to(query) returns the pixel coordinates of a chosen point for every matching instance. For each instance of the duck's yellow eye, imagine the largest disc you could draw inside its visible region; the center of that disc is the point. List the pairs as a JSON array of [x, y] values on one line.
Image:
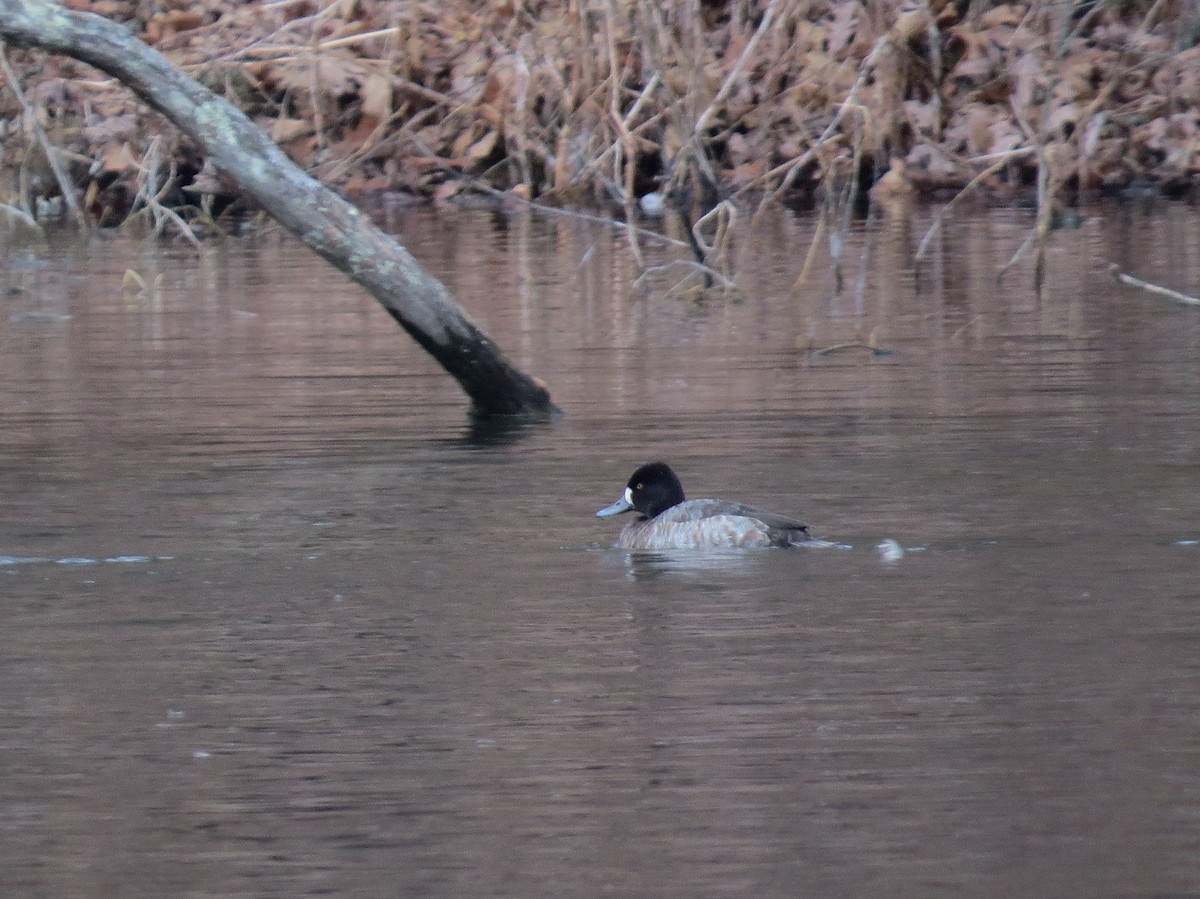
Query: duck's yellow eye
[[639, 487]]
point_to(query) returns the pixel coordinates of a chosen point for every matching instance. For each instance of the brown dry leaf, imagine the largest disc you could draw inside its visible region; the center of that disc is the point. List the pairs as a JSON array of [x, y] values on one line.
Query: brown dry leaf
[[1109, 164], [496, 89], [792, 145], [52, 92], [735, 49], [824, 77], [360, 183], [1182, 77], [792, 113], [804, 98], [112, 128], [1077, 76], [959, 135], [912, 24], [467, 69], [284, 130], [302, 151], [843, 26], [1061, 160], [1091, 135], [482, 148], [491, 116], [1006, 136], [677, 79], [338, 75], [347, 28], [376, 96], [207, 181], [739, 149], [809, 36], [334, 74], [153, 34], [980, 121], [498, 94], [975, 70], [1152, 134], [171, 22], [290, 74], [1006, 14], [465, 139], [894, 184], [355, 139], [830, 152], [110, 9], [1026, 75], [969, 42], [431, 137], [446, 190], [183, 19], [926, 162], [1182, 126], [946, 13], [751, 117], [746, 173], [1060, 116], [921, 115], [119, 158], [261, 71]]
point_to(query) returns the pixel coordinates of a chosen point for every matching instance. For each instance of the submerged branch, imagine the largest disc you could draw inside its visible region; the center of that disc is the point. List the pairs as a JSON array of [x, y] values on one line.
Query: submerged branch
[[1129, 280]]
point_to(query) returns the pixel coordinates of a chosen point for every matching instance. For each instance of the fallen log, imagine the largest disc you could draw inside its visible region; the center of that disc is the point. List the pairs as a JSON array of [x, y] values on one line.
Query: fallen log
[[328, 224]]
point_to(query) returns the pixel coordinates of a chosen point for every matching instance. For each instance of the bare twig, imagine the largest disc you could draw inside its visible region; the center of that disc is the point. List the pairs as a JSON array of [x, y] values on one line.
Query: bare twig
[[1182, 298], [696, 268], [1045, 209], [52, 155], [793, 166], [934, 41], [21, 216], [810, 257], [625, 154], [723, 216], [731, 79], [1003, 159], [1021, 251], [851, 345], [150, 195]]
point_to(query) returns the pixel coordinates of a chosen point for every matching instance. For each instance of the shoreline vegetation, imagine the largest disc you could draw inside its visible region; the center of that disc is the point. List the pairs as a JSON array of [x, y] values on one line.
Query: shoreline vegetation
[[616, 103]]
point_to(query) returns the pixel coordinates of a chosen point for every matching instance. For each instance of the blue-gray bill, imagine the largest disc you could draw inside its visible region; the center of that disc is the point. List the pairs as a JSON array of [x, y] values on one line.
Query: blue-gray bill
[[621, 505]]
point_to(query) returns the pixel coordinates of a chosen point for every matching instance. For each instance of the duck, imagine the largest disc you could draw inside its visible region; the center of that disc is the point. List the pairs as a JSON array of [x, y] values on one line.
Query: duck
[[668, 520]]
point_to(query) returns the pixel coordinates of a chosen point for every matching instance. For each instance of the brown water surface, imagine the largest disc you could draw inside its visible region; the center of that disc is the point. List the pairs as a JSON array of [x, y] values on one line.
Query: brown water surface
[[278, 620]]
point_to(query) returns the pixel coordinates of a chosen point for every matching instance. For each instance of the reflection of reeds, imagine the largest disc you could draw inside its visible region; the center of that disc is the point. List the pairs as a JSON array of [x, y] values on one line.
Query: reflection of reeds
[[1060, 133]]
